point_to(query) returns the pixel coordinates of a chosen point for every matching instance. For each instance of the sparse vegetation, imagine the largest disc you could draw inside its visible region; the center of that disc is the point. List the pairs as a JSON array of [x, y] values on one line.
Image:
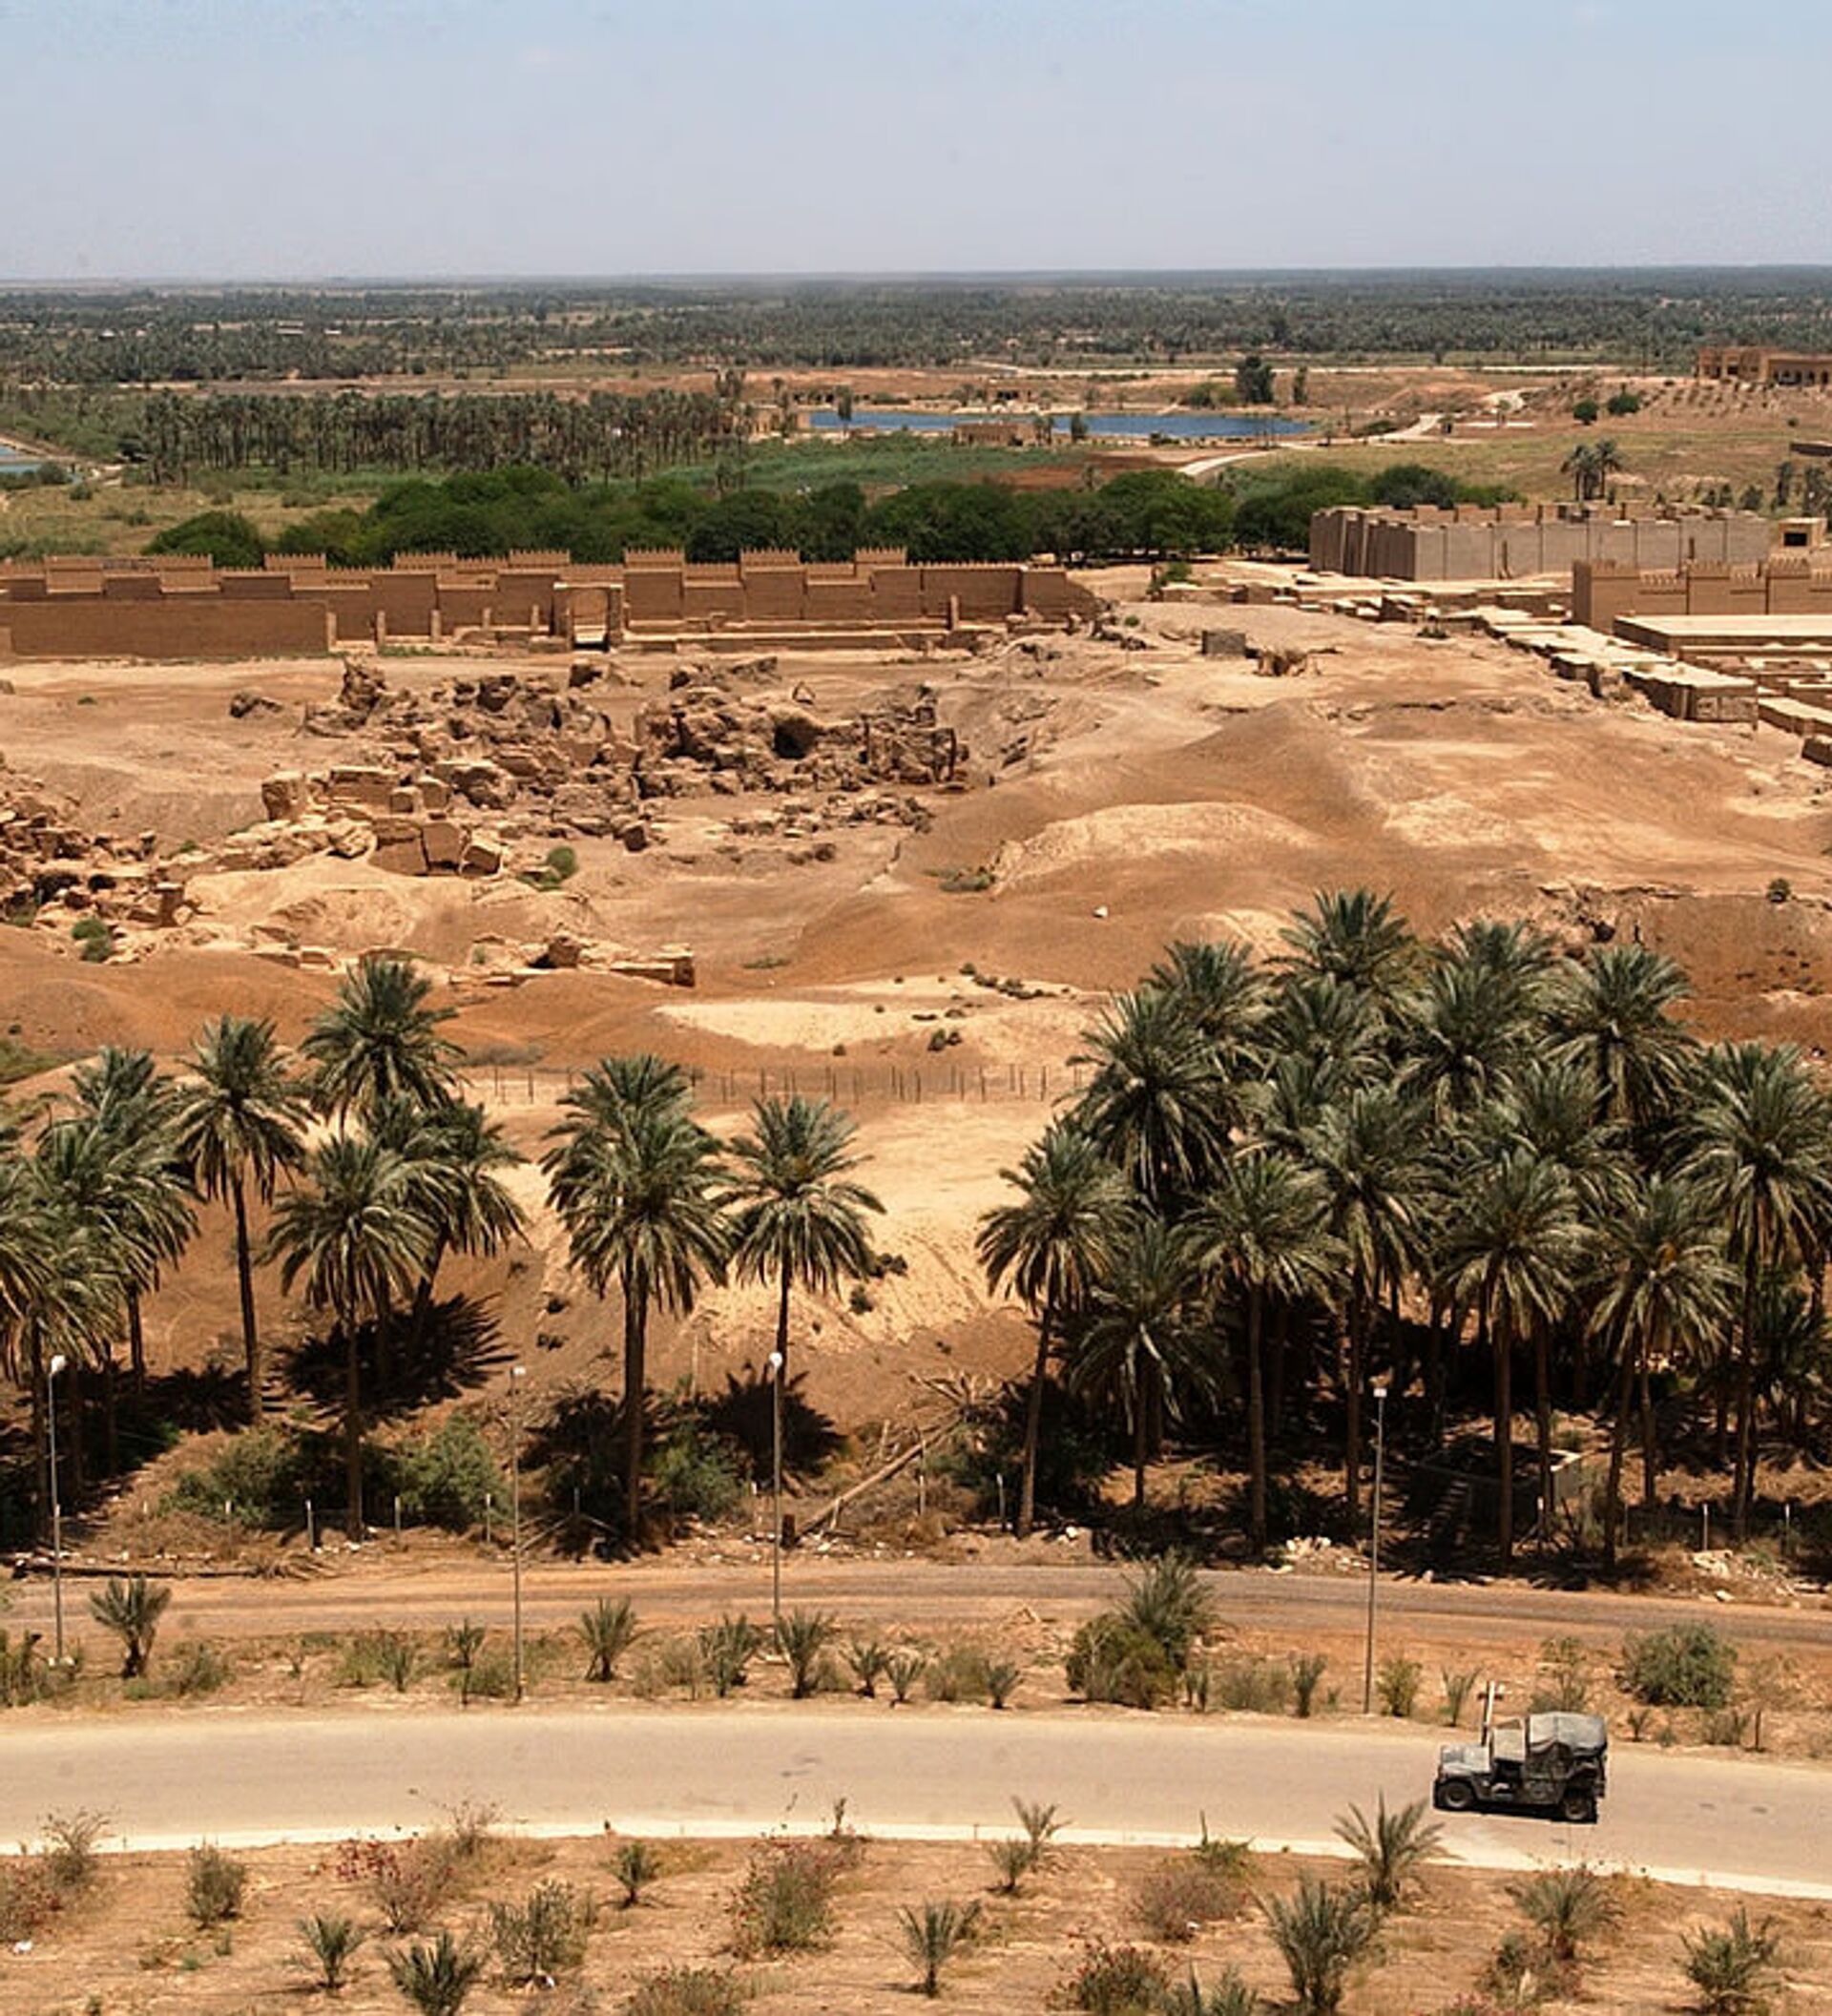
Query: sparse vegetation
[[436, 1976], [931, 1934], [1685, 1666], [608, 1629], [333, 1943], [214, 1884], [543, 1936], [785, 1902], [1321, 1930], [130, 1610], [1733, 1967]]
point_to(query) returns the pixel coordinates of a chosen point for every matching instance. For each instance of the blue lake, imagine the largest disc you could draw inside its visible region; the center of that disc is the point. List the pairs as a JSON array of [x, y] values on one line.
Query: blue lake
[[13, 463], [1127, 427]]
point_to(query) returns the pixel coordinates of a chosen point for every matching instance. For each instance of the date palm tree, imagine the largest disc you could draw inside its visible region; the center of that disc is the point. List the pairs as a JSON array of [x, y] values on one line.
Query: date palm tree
[[1614, 1014], [352, 1233], [1262, 1231], [1051, 1244], [1140, 1345], [1759, 1151], [1367, 1150], [239, 1126], [637, 1190], [1665, 1282], [1158, 1106], [1514, 1246], [1222, 992], [797, 1215], [379, 1041], [1355, 936]]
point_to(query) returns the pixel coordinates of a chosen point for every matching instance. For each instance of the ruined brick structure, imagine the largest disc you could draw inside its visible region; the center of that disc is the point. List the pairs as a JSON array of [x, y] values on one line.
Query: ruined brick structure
[[1788, 583], [1757, 364], [1512, 542], [179, 607]]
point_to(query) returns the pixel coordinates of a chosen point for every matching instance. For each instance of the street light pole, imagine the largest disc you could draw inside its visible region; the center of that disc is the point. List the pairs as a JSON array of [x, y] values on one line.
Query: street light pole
[[516, 1373], [1374, 1546], [51, 1371], [776, 1489]]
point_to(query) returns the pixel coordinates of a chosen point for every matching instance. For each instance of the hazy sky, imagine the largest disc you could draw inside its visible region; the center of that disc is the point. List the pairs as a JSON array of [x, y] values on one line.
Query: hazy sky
[[278, 138]]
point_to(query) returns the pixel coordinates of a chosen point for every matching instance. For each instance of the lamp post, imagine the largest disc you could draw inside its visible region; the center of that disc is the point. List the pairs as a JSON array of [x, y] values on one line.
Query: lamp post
[[776, 1489], [1374, 1546], [51, 1371], [516, 1373]]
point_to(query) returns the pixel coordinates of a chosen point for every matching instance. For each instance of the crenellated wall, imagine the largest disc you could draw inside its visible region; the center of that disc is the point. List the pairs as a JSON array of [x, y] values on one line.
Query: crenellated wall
[[1603, 591], [181, 607], [1511, 542]]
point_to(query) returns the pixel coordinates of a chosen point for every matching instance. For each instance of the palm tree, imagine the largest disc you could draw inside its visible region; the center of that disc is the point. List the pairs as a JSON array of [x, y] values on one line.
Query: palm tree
[[1759, 1150], [1159, 1105], [355, 1236], [457, 1156], [1367, 1149], [1614, 1014], [1052, 1245], [1355, 936], [797, 1215], [1262, 1230], [1464, 1036], [1221, 991], [1139, 1345], [1665, 1282], [638, 1193], [1514, 1247], [379, 1041], [237, 1125]]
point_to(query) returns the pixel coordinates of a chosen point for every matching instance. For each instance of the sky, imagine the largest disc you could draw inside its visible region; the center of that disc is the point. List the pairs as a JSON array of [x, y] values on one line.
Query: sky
[[277, 140]]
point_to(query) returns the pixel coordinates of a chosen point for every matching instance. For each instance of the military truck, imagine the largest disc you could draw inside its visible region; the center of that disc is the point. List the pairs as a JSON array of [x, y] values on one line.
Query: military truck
[[1538, 1763]]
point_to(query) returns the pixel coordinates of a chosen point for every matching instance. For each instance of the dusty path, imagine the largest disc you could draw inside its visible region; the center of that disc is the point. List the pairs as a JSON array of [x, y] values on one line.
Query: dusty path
[[932, 1773], [926, 1593]]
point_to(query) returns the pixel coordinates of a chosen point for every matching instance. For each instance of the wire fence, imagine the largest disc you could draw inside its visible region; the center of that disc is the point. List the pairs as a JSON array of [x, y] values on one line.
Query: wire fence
[[862, 1084]]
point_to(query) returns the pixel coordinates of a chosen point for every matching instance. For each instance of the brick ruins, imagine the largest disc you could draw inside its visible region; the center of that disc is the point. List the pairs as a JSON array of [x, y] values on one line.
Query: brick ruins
[[181, 607], [1510, 542]]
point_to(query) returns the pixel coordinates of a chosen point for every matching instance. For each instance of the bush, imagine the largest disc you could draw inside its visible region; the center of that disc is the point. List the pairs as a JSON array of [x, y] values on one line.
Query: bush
[[1307, 1673], [869, 1661], [902, 1670], [1686, 1666], [1458, 1685], [803, 1638], [257, 1476], [697, 1475], [544, 1935], [1321, 1931], [437, 1978], [93, 940], [785, 1902], [1566, 1664], [213, 1884], [443, 1478], [68, 1856], [1013, 1858], [197, 1668], [1117, 1981], [1168, 1603], [27, 1898], [687, 1992], [22, 1671], [932, 1933], [1732, 1967], [131, 1611], [1251, 1686], [1619, 405], [1523, 1974], [963, 1672], [1112, 1658], [1392, 1849], [332, 1943], [1398, 1685], [638, 1864], [411, 1881], [609, 1628], [726, 1649], [1565, 1908], [1175, 1898], [1229, 1996]]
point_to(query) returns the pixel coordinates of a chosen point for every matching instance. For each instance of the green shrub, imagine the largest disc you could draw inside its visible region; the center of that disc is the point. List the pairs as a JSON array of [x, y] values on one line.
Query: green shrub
[[1458, 1685], [436, 1978], [903, 1669], [1013, 1858], [687, 1992], [1228, 1995], [1392, 1849], [1685, 1666], [726, 1649], [213, 1884], [1566, 1666], [1117, 1981], [1002, 1677], [67, 1855], [1732, 1967], [1168, 1603], [932, 1933], [197, 1668], [1112, 1658], [638, 1864], [545, 1934], [1398, 1685], [609, 1628], [869, 1660], [697, 1475], [93, 939], [562, 864], [963, 1672], [1567, 1907], [1251, 1686], [443, 1478], [131, 1611], [1307, 1673], [256, 1480], [1321, 1931], [785, 1902], [332, 1943], [803, 1638]]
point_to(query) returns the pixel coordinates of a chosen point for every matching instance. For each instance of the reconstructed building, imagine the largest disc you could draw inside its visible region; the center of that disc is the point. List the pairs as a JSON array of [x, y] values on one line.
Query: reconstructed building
[[1787, 585], [1757, 365], [179, 607], [1512, 542]]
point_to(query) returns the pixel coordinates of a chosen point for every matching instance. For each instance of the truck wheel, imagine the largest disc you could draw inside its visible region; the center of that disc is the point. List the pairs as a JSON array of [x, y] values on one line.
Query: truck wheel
[[1457, 1795], [1578, 1807]]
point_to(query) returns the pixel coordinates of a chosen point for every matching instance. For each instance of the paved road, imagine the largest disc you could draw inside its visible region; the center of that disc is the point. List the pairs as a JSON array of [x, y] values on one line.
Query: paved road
[[168, 1779]]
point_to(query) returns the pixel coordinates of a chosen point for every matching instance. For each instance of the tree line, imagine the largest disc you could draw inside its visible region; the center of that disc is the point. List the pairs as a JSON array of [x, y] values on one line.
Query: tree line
[[374, 1170], [1150, 512]]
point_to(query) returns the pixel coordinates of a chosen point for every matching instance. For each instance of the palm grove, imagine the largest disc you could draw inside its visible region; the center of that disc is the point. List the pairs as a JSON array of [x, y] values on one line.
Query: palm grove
[[1370, 1158]]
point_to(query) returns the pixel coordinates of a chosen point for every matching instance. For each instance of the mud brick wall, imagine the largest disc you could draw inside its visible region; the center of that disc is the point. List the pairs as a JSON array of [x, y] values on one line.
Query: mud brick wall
[[179, 626]]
